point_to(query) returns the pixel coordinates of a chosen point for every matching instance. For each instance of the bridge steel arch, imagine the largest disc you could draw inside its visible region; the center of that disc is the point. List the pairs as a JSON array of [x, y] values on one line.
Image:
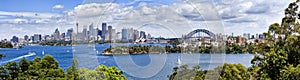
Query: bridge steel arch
[[211, 34]]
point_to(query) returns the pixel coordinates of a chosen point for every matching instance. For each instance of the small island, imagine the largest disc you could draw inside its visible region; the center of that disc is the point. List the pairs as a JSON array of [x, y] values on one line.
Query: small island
[[56, 43], [2, 55], [6, 45], [229, 49]]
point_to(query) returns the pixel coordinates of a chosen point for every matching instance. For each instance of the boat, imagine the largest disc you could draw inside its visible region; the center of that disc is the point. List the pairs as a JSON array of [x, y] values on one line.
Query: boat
[[43, 52], [68, 50], [90, 46], [31, 53], [179, 61]]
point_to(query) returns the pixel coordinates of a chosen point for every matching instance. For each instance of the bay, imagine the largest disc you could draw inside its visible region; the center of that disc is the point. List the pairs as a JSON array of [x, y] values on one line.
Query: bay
[[136, 67]]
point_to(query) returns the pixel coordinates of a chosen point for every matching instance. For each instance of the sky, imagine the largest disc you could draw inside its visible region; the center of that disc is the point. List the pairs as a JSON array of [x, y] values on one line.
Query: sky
[[166, 18]]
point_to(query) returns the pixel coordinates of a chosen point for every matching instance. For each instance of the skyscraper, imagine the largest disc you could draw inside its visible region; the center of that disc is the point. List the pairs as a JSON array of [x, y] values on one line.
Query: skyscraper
[[69, 34], [37, 37], [136, 34], [63, 36], [56, 34], [124, 34], [103, 31], [26, 38], [110, 32], [15, 39], [91, 31], [84, 34], [246, 35], [142, 34], [130, 34]]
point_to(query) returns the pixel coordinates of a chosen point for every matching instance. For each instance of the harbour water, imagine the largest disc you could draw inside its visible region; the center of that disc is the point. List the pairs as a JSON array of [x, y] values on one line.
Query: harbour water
[[136, 67]]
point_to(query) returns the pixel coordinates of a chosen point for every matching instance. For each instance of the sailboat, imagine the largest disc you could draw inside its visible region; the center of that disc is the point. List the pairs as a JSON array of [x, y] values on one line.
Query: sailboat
[[43, 52], [179, 61]]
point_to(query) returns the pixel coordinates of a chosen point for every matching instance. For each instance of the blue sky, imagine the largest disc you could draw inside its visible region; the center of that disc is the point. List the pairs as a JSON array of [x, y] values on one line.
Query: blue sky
[[19, 17], [36, 5], [46, 5]]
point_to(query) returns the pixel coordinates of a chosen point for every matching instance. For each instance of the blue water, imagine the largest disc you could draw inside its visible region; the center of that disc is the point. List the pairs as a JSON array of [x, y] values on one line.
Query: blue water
[[155, 66]]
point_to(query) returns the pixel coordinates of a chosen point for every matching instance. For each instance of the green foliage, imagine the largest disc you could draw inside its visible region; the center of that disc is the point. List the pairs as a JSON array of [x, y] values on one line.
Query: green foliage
[[291, 72], [279, 57], [72, 72], [234, 72], [47, 68], [228, 72], [102, 73], [4, 73], [13, 69], [49, 62], [184, 73], [2, 55], [24, 64], [56, 43], [6, 45], [232, 48]]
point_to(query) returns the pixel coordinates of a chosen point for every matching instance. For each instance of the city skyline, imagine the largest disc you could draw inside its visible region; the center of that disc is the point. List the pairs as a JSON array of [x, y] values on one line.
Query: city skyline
[[48, 15], [88, 33]]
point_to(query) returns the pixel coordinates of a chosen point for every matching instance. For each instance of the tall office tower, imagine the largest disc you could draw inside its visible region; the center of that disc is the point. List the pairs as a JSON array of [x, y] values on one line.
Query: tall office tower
[[118, 35], [142, 34], [63, 36], [103, 31], [148, 36], [91, 31], [260, 36], [113, 34], [56, 34], [130, 34], [37, 37], [32, 38], [109, 32], [124, 34], [84, 34], [246, 35], [15, 39], [69, 34], [136, 34], [26, 38]]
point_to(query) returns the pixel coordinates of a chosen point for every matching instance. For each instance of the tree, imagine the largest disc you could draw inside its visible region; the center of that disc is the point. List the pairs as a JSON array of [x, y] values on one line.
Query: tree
[[13, 68], [24, 64], [4, 73], [283, 54], [48, 62], [102, 73], [72, 72], [233, 72]]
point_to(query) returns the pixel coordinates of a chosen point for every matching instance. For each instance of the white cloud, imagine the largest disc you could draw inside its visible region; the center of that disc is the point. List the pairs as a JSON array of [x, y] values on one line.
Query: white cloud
[[251, 16], [182, 17], [238, 16], [58, 6], [21, 23]]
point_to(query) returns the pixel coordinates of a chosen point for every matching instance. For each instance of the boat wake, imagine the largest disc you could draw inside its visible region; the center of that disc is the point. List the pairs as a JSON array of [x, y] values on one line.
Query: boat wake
[[20, 57]]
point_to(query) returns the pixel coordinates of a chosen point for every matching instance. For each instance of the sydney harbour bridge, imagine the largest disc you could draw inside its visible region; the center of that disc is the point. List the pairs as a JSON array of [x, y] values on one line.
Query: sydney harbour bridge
[[200, 33]]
